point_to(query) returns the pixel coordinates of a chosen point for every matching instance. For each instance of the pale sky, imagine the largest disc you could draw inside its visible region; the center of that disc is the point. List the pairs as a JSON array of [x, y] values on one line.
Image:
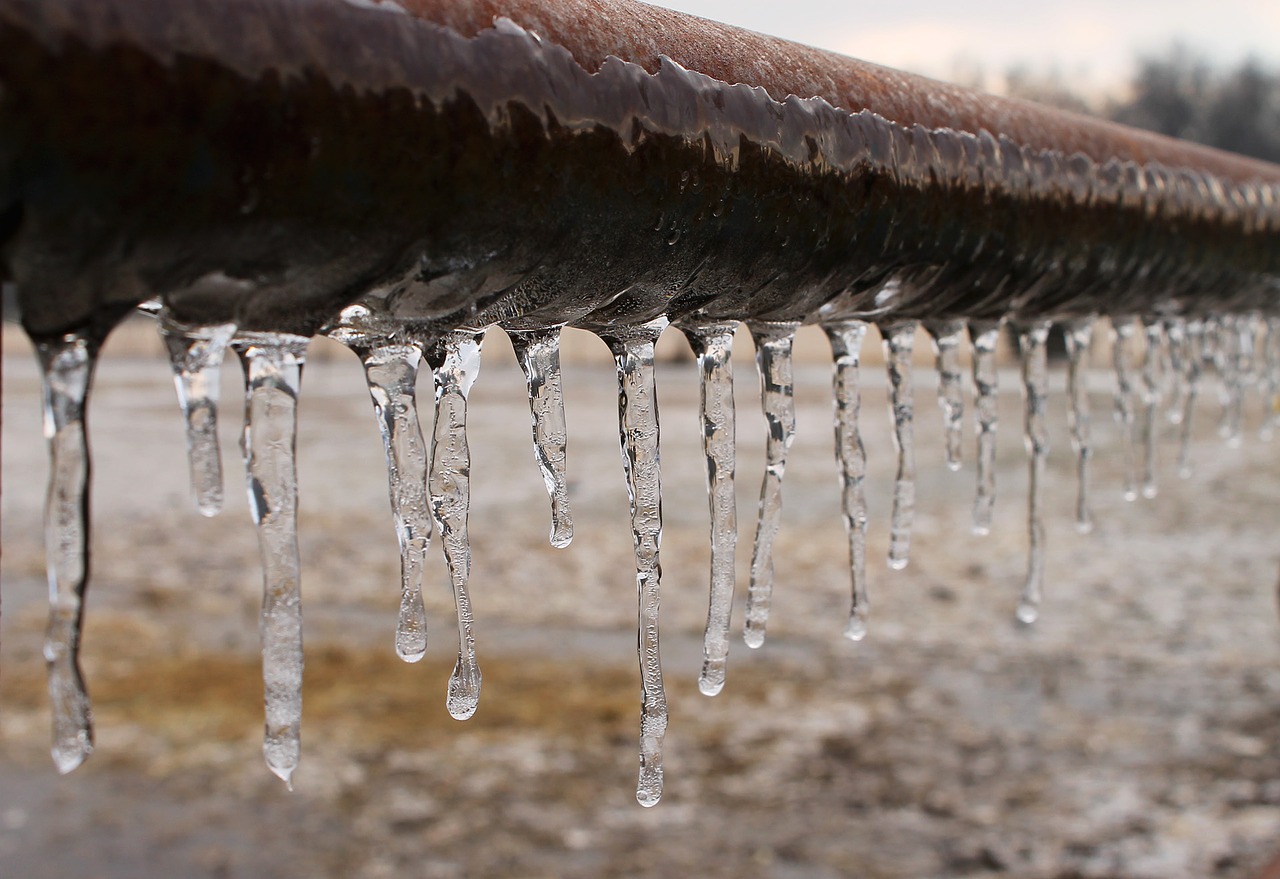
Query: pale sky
[[1091, 42]]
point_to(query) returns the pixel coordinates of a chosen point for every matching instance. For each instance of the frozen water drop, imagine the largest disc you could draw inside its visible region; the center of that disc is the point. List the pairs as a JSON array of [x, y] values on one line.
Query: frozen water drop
[[67, 366], [947, 337], [1122, 361], [899, 341], [985, 335], [1035, 383], [632, 349], [1153, 330], [273, 378], [539, 354], [456, 359], [713, 345], [846, 339], [195, 355], [773, 343], [1079, 336]]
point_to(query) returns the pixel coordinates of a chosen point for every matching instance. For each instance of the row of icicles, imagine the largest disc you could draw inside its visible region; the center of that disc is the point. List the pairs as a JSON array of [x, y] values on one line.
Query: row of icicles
[[430, 484]]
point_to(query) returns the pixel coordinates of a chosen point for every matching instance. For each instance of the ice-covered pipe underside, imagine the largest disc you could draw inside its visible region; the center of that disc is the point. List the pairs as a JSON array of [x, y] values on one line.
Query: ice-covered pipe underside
[[404, 177]]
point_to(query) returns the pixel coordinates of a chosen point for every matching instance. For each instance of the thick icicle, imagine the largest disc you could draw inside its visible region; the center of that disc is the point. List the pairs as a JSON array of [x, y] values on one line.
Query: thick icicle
[[846, 339], [773, 343], [457, 363], [67, 366], [273, 378], [713, 345], [1035, 383], [985, 335], [1153, 329], [1122, 360], [632, 349], [195, 354], [899, 341], [1193, 368], [539, 354], [1079, 335], [947, 337]]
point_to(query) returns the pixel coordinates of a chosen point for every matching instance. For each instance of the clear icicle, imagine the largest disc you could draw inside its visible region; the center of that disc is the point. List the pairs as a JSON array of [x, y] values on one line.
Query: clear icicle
[[458, 355], [273, 378], [632, 349], [1230, 358], [1194, 367], [539, 354], [773, 343], [985, 335], [1175, 335], [899, 341], [713, 345], [1035, 383], [67, 367], [1122, 360], [1271, 379], [947, 337], [1153, 329], [1079, 335], [195, 354], [846, 339]]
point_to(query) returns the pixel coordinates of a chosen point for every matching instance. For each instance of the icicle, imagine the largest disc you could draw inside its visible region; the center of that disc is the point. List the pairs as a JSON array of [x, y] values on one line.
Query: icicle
[[458, 356], [195, 354], [1175, 334], [1271, 379], [1230, 358], [846, 339], [1122, 360], [985, 335], [947, 337], [67, 367], [632, 349], [1035, 383], [1078, 334], [713, 345], [539, 354], [273, 377], [1194, 367], [899, 340], [1153, 329], [773, 343]]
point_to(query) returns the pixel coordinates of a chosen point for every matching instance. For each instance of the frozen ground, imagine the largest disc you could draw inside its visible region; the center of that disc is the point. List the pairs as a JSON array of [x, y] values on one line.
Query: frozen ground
[[1131, 733]]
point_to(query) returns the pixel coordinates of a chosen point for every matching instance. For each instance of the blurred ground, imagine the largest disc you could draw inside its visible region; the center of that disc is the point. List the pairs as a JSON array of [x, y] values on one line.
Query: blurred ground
[[1131, 733]]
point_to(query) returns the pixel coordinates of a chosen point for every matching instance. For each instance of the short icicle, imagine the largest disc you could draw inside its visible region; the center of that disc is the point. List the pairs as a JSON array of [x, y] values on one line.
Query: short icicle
[[985, 335], [273, 378], [67, 366], [846, 339], [456, 359], [947, 337], [1122, 361], [713, 345], [195, 354], [391, 365], [773, 343], [1078, 334], [1153, 330], [539, 354], [899, 340], [1193, 368], [632, 349], [1035, 383]]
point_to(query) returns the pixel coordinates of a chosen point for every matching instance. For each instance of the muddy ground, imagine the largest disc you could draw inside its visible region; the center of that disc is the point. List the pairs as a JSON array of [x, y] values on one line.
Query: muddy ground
[[1131, 733]]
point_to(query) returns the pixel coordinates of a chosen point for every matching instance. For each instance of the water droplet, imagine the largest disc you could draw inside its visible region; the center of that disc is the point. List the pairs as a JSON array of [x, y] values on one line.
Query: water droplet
[[985, 335], [1079, 336], [899, 342], [539, 354], [1035, 384], [947, 337]]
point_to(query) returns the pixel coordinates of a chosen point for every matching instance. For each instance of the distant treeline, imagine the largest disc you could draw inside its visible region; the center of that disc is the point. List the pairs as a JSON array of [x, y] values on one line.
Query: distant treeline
[[1181, 95]]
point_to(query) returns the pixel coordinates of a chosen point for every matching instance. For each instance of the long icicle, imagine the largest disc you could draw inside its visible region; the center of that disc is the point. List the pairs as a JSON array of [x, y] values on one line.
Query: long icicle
[[899, 341], [457, 363], [947, 337], [273, 378], [632, 349], [846, 338], [67, 366], [773, 343], [713, 345], [1078, 335], [985, 335], [1122, 360], [1271, 379], [1153, 330], [1195, 356], [539, 354], [1035, 383], [195, 355]]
